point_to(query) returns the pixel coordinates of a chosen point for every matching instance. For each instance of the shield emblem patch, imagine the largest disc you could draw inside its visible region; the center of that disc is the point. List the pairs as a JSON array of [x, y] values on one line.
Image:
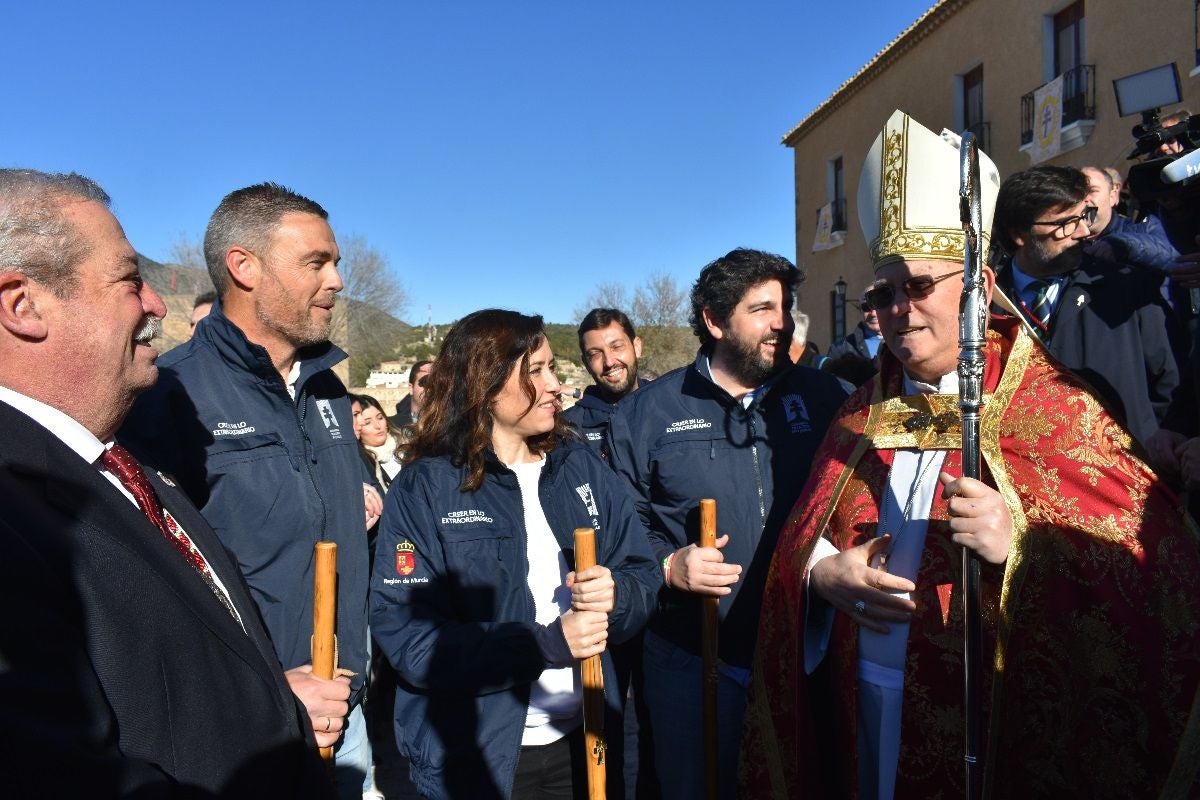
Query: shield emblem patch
[[406, 558]]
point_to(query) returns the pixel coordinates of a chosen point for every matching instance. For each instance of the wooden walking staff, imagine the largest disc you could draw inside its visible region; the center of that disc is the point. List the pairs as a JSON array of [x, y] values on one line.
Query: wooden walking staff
[[592, 674], [972, 329], [324, 641], [708, 538]]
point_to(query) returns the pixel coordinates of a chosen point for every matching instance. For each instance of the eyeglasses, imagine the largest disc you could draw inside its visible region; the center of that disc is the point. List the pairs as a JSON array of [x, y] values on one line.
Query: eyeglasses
[[1064, 228], [882, 295], [865, 306]]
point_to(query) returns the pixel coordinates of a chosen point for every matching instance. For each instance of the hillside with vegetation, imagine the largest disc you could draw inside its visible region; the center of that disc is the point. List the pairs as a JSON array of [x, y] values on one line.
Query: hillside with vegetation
[[372, 335]]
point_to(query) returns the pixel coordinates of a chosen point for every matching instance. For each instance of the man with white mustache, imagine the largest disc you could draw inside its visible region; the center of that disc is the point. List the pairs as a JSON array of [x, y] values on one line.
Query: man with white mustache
[[250, 419], [132, 658], [739, 425]]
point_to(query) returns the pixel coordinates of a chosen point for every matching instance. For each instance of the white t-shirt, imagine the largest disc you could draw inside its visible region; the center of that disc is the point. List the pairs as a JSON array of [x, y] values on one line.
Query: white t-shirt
[[556, 697]]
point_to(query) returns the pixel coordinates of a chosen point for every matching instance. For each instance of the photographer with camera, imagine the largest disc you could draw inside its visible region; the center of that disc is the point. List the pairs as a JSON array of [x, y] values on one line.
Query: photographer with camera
[[1174, 199], [1167, 182]]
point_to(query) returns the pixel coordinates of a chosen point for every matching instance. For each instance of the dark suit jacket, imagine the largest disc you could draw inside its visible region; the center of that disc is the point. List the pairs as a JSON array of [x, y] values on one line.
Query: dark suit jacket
[[121, 674], [403, 415], [1113, 328]]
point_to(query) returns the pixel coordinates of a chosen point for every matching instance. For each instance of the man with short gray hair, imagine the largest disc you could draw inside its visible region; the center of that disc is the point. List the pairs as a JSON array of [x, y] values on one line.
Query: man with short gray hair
[[258, 430], [132, 659]]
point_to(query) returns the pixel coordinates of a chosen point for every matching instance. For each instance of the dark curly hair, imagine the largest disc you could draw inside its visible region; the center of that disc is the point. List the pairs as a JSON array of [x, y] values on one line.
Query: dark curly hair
[[723, 282], [476, 359]]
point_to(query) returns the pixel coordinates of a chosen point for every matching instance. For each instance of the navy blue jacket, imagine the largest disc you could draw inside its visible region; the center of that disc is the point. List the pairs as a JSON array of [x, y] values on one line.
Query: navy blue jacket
[[271, 475], [451, 609], [1113, 328], [590, 417], [683, 438], [1141, 244]]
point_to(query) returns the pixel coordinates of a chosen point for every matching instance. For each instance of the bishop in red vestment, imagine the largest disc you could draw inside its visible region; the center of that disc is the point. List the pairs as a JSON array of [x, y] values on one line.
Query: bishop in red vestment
[[1091, 586]]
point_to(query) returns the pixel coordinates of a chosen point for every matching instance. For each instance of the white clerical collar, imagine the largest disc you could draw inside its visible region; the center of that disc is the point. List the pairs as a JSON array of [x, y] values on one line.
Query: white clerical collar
[[72, 433], [947, 385]]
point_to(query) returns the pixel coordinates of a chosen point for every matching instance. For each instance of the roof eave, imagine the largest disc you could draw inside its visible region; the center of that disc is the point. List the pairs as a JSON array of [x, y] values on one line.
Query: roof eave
[[908, 38]]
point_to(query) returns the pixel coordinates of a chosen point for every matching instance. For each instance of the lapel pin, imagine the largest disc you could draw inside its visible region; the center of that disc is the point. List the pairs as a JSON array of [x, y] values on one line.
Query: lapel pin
[[166, 480]]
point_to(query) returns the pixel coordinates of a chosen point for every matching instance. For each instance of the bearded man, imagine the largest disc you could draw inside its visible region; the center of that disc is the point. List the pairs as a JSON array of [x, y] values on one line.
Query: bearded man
[[1103, 320], [610, 349], [739, 425], [251, 421], [1090, 570]]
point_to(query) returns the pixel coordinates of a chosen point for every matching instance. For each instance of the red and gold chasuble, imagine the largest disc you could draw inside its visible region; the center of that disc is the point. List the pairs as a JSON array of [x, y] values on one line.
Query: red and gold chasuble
[[1091, 628]]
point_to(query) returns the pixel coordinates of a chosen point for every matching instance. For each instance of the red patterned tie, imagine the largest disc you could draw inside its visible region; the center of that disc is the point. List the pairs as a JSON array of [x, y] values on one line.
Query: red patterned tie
[[120, 462]]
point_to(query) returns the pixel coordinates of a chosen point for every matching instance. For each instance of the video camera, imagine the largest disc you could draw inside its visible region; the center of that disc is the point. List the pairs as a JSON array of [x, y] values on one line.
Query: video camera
[[1151, 134], [1171, 179], [1168, 186]]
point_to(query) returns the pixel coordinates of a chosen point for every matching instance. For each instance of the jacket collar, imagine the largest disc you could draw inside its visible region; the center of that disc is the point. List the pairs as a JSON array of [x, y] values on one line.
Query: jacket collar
[[592, 399], [232, 345], [699, 374], [507, 477]]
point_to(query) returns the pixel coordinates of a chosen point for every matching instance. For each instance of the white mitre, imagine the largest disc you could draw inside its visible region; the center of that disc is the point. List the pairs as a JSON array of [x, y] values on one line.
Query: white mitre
[[908, 195]]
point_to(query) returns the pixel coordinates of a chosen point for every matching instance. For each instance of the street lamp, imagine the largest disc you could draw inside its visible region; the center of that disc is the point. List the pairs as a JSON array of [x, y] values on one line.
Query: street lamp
[[837, 301]]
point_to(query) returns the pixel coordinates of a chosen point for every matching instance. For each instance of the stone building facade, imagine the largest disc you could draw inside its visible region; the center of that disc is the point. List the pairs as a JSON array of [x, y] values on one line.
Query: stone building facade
[[977, 63]]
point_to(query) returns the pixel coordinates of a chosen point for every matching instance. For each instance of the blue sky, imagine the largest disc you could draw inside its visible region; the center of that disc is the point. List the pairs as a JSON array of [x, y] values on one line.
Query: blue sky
[[497, 153]]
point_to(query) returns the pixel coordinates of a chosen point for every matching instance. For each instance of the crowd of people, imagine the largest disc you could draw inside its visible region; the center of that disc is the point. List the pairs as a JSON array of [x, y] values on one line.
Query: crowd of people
[[162, 514]]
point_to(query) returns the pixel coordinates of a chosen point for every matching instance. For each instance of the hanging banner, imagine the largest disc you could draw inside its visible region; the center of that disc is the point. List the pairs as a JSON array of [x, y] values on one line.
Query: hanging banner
[[1047, 121], [827, 237]]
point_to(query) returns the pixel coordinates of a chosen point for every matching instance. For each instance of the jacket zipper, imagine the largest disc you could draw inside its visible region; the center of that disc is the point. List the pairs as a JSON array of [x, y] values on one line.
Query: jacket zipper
[[301, 413], [530, 609], [762, 508]]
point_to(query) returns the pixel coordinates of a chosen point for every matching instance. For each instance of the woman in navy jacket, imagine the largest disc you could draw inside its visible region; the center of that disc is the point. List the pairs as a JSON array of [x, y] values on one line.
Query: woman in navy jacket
[[473, 598]]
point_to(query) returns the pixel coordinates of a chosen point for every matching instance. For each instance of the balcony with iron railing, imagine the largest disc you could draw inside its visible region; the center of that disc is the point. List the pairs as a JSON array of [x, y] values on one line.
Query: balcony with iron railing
[[1078, 108]]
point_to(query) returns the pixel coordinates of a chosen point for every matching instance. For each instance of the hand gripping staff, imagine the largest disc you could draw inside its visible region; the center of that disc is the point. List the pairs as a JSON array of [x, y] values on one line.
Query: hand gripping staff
[[972, 328], [324, 641], [708, 649], [592, 674]]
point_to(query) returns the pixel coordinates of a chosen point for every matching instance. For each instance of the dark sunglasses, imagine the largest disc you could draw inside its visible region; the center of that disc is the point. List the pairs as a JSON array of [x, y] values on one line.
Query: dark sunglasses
[[882, 295]]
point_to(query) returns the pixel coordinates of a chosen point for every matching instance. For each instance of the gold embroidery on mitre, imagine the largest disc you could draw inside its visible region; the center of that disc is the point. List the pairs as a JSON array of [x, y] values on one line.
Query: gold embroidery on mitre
[[896, 242], [919, 422]]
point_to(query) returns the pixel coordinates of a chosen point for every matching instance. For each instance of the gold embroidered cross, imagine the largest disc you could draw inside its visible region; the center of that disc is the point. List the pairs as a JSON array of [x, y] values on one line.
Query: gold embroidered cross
[[924, 419]]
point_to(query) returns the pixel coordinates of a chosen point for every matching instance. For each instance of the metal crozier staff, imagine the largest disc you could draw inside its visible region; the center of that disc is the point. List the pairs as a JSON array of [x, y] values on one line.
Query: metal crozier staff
[[972, 328]]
